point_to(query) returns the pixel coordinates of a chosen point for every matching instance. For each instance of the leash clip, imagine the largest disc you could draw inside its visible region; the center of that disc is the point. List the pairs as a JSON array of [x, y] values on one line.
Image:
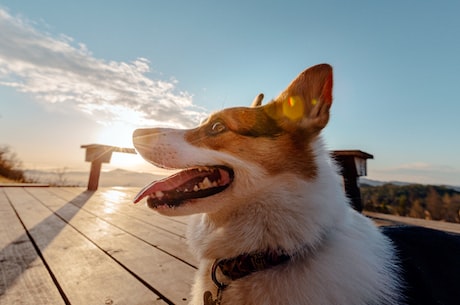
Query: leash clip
[[207, 296], [220, 285]]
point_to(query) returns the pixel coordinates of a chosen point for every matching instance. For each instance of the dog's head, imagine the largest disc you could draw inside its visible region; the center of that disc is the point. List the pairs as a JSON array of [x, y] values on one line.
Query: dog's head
[[238, 152]]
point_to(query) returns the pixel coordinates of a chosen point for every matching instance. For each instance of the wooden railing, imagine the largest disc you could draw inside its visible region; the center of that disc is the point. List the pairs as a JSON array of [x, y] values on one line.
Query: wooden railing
[[353, 164]]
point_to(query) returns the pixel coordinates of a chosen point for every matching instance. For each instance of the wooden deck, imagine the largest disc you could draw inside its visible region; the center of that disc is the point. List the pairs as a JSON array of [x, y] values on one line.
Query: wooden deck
[[72, 246]]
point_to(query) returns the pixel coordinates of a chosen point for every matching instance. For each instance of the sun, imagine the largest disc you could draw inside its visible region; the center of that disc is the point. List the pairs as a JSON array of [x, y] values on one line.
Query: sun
[[119, 134], [116, 134]]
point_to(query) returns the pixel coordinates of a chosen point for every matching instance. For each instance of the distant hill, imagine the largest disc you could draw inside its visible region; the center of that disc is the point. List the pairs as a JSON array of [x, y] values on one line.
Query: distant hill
[[117, 177]]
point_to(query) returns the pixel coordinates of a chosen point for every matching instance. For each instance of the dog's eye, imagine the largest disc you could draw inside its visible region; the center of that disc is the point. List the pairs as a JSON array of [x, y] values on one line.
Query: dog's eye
[[217, 127]]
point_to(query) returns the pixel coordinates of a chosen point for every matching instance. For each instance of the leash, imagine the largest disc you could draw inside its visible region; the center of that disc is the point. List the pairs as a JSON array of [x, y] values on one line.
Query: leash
[[239, 267]]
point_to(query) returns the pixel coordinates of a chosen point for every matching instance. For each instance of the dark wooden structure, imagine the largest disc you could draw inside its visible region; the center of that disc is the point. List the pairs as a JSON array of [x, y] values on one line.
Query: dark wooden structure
[[98, 154], [353, 165]]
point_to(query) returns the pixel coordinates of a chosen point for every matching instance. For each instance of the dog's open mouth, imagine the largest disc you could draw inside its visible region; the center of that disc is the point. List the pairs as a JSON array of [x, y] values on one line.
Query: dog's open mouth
[[188, 184]]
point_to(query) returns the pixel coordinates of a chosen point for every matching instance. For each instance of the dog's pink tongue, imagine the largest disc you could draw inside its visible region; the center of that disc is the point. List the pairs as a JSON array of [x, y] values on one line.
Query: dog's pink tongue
[[186, 180], [166, 184]]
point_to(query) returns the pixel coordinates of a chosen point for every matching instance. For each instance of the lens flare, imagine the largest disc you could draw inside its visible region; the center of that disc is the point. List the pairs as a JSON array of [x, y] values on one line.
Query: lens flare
[[293, 108]]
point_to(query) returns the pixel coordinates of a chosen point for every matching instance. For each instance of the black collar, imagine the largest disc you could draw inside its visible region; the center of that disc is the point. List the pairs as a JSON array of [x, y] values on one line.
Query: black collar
[[246, 264]]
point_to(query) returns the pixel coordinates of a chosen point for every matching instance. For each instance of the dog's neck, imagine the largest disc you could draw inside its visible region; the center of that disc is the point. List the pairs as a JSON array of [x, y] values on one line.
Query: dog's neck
[[252, 229]]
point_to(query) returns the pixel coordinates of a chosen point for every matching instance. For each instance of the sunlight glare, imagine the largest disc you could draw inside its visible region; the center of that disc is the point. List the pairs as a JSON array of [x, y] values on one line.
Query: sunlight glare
[[119, 134], [114, 196], [116, 134]]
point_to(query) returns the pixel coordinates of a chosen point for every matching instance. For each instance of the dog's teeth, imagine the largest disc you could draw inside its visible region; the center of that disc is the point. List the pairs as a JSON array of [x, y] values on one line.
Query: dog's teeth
[[159, 194], [196, 188], [206, 183]]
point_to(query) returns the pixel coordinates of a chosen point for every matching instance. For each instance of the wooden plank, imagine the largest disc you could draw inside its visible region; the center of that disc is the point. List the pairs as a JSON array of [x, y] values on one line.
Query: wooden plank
[[174, 287], [24, 185], [159, 231], [24, 278], [433, 224], [85, 273], [176, 225], [169, 276], [179, 223], [115, 211], [131, 193]]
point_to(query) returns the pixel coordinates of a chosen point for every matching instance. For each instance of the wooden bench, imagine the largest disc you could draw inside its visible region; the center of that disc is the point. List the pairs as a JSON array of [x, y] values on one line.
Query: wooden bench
[[98, 154]]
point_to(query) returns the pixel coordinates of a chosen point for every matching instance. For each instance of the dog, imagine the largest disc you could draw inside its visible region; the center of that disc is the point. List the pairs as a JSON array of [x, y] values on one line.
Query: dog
[[271, 223]]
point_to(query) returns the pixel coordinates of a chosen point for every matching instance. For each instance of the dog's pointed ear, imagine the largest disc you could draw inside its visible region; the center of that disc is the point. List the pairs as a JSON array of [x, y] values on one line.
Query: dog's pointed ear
[[257, 100], [307, 100]]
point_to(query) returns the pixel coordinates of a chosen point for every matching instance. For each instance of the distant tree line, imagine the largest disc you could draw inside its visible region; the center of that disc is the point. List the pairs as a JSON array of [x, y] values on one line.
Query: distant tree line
[[10, 165], [10, 168], [415, 200]]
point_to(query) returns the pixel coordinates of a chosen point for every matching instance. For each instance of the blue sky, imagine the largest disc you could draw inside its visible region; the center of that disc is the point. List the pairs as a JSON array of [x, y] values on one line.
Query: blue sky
[[74, 73]]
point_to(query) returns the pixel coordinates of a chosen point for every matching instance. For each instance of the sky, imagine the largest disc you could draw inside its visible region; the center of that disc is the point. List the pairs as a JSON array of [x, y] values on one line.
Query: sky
[[81, 72]]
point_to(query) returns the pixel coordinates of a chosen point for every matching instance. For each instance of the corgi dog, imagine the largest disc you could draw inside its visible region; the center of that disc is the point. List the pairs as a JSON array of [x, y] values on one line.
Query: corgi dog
[[271, 223]]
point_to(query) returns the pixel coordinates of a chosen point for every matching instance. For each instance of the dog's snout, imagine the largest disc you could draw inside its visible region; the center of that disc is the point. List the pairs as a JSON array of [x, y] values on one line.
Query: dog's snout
[[155, 144]]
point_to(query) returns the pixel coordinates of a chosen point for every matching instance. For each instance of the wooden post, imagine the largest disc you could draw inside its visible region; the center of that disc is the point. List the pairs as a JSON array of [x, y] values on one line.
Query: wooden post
[[94, 174], [353, 164], [98, 154]]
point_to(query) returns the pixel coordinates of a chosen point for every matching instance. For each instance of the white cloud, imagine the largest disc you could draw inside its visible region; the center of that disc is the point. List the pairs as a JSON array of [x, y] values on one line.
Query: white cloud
[[58, 71], [423, 167], [419, 172]]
